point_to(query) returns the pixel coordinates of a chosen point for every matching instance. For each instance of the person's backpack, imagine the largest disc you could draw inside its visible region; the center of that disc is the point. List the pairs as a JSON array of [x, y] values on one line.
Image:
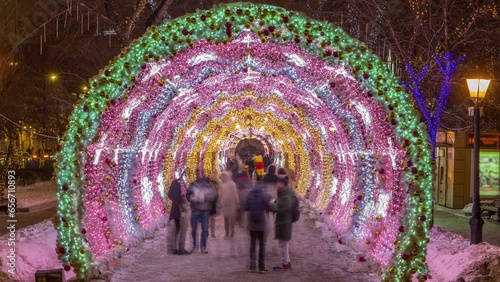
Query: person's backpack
[[255, 206], [295, 209]]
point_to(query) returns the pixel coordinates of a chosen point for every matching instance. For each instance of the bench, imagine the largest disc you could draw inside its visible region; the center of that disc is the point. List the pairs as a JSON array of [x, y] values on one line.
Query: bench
[[4, 205], [493, 207]]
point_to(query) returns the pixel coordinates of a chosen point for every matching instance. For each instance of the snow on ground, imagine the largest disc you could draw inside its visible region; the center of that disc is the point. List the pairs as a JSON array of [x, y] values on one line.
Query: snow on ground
[[451, 258], [37, 194], [34, 249]]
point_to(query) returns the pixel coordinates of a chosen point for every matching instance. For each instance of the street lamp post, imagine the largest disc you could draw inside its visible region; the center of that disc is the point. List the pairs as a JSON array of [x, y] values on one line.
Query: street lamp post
[[477, 90]]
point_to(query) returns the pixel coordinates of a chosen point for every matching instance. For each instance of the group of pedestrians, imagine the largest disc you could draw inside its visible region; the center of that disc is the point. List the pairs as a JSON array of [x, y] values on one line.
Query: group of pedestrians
[[233, 196]]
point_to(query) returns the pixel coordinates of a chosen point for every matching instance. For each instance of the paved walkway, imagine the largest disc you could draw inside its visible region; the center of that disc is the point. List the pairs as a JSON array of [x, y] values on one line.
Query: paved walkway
[[313, 259], [36, 214], [456, 221]]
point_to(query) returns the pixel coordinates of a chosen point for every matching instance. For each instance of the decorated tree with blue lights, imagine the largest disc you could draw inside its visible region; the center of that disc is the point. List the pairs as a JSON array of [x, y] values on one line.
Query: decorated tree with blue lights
[[430, 41]]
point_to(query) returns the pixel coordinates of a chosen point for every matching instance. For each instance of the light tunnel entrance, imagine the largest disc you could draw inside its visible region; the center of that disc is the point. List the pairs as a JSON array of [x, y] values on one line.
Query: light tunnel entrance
[[187, 93]]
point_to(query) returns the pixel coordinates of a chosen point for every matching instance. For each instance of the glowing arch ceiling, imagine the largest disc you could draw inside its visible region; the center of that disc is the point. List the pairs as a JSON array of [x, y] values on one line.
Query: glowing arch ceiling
[[179, 96]]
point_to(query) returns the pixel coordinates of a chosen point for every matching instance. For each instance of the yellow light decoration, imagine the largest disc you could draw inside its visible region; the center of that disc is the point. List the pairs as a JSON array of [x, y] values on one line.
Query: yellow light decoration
[[220, 130]]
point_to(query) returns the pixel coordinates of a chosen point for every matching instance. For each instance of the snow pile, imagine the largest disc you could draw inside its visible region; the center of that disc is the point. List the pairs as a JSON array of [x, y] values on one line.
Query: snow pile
[[35, 250], [451, 258], [37, 194], [467, 209]]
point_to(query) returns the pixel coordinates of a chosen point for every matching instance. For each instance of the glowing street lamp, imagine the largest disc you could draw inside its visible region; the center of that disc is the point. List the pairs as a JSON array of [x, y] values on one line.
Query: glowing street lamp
[[53, 77], [477, 90], [478, 87]]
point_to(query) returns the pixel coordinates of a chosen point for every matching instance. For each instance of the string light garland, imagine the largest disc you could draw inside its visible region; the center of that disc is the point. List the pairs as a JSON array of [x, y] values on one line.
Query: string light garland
[[170, 101]]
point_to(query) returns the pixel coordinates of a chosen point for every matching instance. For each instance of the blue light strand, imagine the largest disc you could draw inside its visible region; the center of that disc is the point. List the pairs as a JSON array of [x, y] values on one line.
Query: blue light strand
[[447, 64], [414, 88], [447, 68]]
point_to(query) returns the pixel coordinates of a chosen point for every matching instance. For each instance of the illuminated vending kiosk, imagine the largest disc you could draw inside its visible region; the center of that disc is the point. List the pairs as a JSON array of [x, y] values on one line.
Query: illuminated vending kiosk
[[454, 168]]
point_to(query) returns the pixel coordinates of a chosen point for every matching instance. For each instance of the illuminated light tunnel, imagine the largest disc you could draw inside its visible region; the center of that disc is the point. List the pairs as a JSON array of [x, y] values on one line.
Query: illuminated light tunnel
[[183, 95]]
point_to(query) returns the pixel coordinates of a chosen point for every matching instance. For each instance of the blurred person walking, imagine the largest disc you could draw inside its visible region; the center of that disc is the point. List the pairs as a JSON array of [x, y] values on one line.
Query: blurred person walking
[[175, 196], [228, 202], [256, 205], [214, 212], [202, 195], [243, 183]]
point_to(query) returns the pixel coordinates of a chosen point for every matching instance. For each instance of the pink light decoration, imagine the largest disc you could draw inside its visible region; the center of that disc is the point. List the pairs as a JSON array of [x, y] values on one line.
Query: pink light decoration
[[290, 71]]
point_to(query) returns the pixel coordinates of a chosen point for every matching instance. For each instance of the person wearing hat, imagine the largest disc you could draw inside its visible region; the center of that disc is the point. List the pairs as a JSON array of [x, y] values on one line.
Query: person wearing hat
[[283, 226]]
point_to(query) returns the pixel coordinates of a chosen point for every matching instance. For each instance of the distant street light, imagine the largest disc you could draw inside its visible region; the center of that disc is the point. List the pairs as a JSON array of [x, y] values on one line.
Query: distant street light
[[477, 90], [55, 77]]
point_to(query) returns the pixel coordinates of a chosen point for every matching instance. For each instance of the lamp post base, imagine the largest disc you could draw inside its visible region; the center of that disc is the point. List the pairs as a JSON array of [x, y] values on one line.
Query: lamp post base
[[476, 230]]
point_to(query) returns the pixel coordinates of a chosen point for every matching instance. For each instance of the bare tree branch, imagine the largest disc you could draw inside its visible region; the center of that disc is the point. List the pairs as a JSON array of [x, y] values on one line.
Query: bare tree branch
[[160, 12]]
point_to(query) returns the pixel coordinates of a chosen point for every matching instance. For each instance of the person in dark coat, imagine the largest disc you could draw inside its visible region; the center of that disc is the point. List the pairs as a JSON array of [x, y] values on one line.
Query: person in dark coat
[[214, 211], [283, 227], [175, 195], [271, 176], [251, 164], [235, 167], [242, 184], [256, 205]]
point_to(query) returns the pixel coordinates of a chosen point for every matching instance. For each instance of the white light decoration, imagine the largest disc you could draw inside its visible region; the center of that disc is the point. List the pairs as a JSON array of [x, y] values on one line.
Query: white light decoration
[[144, 150], [383, 200], [146, 191], [392, 153], [99, 149], [202, 58], [161, 185], [247, 39], [333, 189], [155, 69], [251, 76], [134, 103], [116, 153], [345, 193], [296, 59], [365, 114]]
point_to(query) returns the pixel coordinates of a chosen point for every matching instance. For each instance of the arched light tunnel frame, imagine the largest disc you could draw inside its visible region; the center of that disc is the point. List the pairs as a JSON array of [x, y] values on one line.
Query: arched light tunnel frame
[[301, 46]]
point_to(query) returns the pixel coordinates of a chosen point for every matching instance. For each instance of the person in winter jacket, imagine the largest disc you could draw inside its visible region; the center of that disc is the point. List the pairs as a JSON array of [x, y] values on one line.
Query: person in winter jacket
[[271, 176], [256, 205], [282, 173], [202, 195], [236, 166], [283, 227], [228, 202], [180, 242], [175, 196]]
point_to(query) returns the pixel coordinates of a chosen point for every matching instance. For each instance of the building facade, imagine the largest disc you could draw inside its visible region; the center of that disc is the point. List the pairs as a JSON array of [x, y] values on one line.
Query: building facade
[[454, 168]]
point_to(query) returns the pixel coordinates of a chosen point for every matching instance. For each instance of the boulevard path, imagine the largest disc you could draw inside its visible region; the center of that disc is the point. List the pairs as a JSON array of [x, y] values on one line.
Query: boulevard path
[[313, 259]]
